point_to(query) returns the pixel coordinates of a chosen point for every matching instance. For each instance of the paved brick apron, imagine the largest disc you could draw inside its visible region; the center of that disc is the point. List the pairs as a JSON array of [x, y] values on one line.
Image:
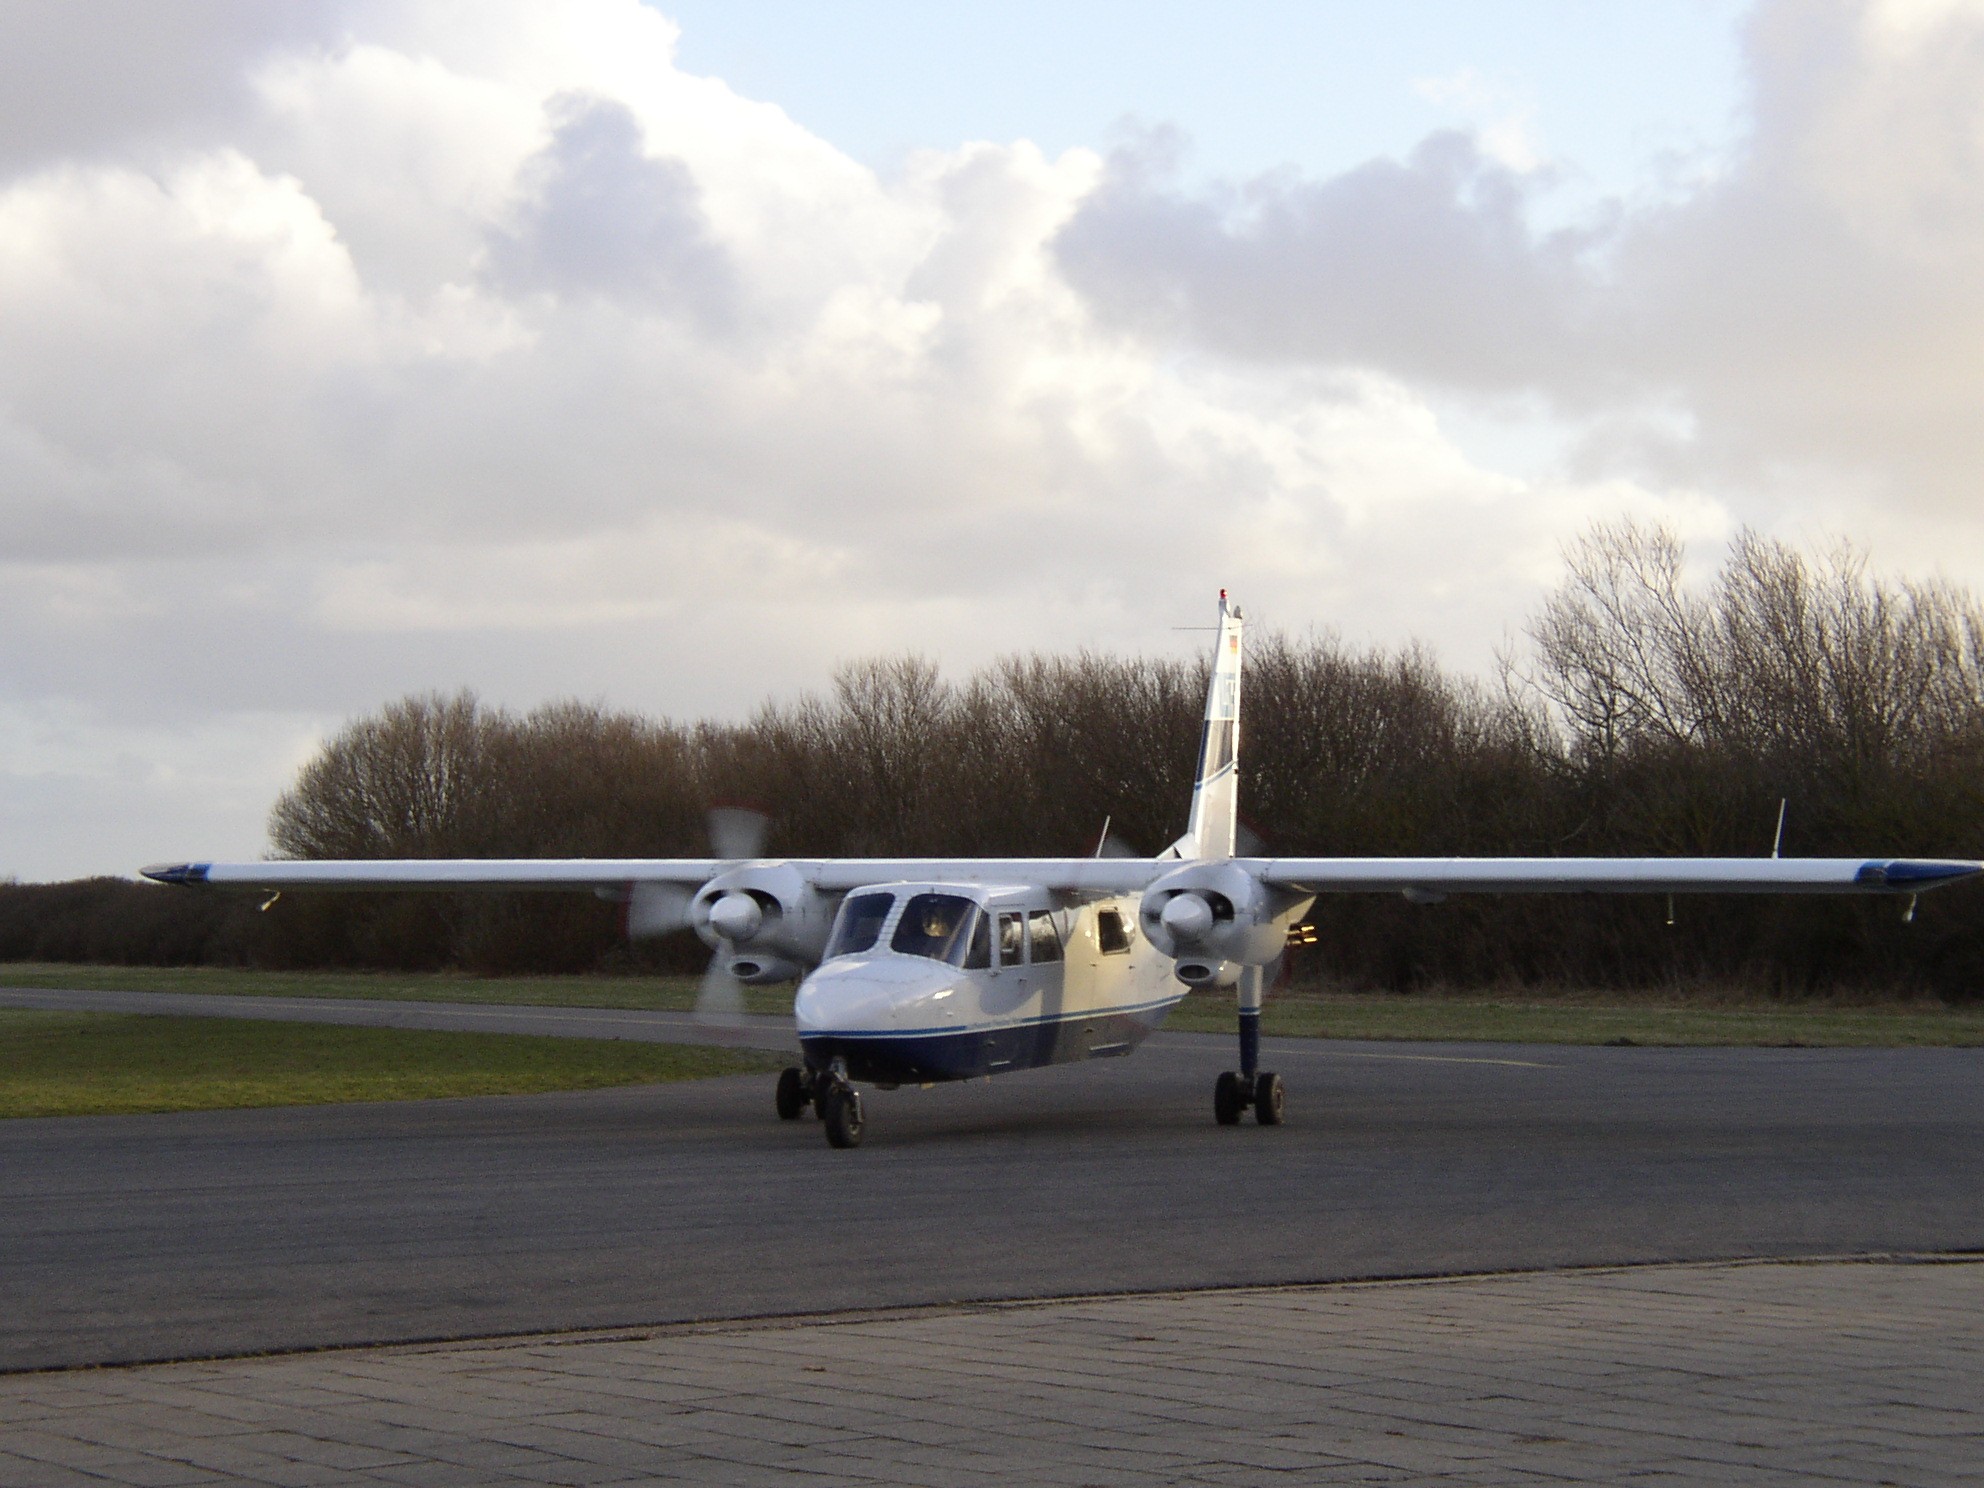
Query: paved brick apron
[[1835, 1371]]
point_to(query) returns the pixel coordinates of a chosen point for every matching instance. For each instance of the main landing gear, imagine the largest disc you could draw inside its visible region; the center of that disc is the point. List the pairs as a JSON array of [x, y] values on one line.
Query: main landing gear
[[1234, 1092], [1251, 1086], [829, 1093]]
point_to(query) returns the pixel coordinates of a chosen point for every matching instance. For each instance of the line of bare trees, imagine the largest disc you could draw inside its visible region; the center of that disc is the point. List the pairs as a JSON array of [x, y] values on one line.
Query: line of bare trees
[[1643, 716]]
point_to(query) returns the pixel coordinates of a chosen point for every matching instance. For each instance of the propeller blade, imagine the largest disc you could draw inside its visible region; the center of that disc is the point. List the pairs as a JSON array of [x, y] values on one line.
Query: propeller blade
[[658, 909], [1247, 843], [720, 999], [738, 831], [1109, 845], [1113, 846]]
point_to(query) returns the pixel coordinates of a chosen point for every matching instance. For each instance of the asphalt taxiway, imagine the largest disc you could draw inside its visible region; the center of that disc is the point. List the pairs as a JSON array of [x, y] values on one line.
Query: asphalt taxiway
[[172, 1236]]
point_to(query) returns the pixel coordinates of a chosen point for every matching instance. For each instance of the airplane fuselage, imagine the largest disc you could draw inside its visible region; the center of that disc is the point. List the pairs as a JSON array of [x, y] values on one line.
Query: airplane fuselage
[[928, 982]]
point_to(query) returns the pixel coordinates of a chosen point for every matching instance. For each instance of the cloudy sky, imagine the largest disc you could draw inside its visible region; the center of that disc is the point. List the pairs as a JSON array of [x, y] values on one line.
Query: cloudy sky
[[665, 355]]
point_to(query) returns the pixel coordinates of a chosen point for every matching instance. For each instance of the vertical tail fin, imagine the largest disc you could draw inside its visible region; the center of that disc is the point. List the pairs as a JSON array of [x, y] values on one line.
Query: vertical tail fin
[[1216, 793]]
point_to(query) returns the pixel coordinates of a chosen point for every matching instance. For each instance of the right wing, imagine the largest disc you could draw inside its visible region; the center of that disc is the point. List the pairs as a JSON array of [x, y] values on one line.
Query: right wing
[[440, 873], [830, 875], [1438, 876]]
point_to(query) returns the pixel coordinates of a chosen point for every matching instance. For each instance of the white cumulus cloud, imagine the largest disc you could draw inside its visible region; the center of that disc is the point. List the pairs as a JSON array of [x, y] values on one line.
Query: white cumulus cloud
[[365, 348]]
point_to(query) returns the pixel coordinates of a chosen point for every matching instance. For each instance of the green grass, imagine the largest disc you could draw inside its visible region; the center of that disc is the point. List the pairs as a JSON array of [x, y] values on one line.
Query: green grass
[[646, 993], [85, 1064], [1590, 1020], [1500, 1017]]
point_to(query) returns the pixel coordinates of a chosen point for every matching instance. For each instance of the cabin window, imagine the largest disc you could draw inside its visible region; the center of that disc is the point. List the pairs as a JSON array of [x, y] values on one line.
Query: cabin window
[[1111, 933], [1046, 937], [1012, 939], [939, 926], [860, 924]]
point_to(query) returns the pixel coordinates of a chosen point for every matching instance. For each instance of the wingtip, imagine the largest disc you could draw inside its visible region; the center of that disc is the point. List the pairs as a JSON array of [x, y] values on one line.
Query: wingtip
[[1912, 874], [176, 873]]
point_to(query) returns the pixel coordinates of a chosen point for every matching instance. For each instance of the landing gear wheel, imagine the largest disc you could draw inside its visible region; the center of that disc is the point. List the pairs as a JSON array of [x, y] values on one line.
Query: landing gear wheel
[[1229, 1099], [1267, 1099], [791, 1098], [842, 1115]]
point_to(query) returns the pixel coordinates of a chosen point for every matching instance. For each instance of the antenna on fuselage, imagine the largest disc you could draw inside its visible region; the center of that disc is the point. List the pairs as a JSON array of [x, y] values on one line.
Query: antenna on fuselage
[[1777, 842]]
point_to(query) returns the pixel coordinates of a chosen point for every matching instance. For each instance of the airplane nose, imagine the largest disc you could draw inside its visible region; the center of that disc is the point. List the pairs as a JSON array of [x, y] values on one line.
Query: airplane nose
[[886, 994]]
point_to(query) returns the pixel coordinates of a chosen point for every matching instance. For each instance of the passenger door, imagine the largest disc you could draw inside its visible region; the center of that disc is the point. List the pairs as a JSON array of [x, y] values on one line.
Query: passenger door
[[1044, 971], [1009, 985]]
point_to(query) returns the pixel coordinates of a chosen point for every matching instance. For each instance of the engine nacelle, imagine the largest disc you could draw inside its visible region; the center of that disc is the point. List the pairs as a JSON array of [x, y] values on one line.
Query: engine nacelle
[[759, 971], [766, 914], [1206, 975], [1205, 914]]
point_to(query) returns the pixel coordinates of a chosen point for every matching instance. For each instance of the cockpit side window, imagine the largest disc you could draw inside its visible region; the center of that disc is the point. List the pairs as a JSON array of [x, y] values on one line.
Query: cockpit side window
[[979, 957], [860, 924], [939, 926], [1110, 932], [1046, 936]]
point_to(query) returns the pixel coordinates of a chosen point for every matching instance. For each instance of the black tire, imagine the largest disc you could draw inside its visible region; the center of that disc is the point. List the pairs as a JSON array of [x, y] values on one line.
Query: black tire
[[1267, 1099], [1229, 1099], [791, 1098], [842, 1117]]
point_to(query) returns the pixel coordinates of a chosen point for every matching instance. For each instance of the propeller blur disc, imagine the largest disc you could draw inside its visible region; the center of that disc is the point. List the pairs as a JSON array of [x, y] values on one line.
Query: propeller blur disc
[[738, 831], [658, 909], [720, 999]]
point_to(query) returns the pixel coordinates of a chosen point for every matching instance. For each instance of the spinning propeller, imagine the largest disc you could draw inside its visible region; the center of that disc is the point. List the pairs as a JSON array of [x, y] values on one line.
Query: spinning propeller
[[737, 834]]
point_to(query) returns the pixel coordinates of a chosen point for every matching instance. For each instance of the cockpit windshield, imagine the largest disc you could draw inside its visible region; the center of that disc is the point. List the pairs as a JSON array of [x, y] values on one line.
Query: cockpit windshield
[[944, 927], [860, 924]]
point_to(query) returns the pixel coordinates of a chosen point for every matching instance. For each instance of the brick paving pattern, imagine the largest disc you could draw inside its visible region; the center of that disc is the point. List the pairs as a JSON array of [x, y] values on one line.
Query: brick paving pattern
[[1819, 1372]]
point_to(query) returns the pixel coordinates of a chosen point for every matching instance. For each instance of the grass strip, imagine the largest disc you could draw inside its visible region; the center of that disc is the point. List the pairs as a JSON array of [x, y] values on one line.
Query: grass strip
[[1611, 1021], [86, 1064], [643, 993]]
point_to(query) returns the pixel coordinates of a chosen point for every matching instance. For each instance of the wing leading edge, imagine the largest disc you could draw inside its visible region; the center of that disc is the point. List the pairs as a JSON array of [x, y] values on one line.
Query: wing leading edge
[[1412, 876], [1069, 875]]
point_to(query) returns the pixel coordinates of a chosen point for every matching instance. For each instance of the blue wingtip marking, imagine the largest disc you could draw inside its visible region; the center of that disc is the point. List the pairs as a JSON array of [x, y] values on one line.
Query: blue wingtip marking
[[177, 873], [1917, 873]]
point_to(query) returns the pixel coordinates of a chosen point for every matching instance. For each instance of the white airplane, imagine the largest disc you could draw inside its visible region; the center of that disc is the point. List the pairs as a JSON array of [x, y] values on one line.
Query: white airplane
[[917, 970]]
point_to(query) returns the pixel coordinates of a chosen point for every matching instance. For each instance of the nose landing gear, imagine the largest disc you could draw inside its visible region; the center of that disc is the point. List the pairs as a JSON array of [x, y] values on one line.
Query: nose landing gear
[[841, 1115], [826, 1091], [794, 1093]]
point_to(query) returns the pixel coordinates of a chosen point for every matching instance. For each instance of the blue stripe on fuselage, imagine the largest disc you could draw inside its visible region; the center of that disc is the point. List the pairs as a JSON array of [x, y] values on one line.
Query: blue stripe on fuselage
[[922, 1055]]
